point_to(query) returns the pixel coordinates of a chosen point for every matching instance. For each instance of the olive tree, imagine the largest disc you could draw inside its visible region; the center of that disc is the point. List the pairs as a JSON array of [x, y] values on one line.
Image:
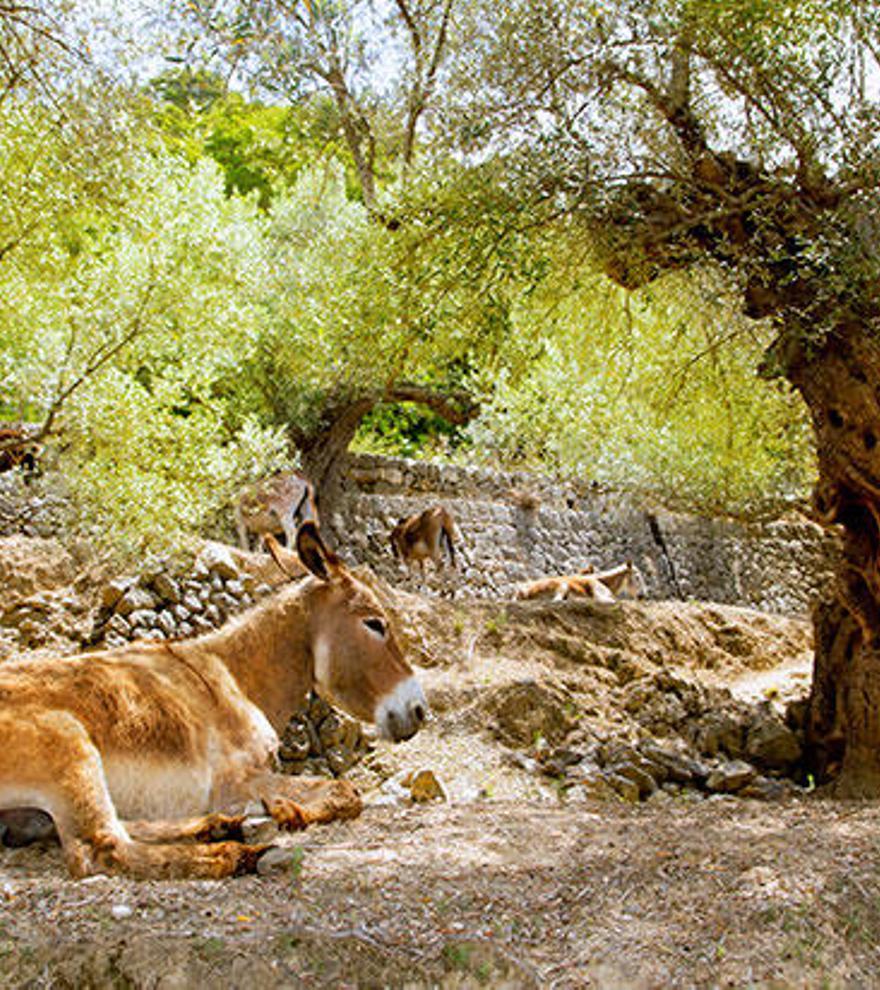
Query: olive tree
[[742, 135]]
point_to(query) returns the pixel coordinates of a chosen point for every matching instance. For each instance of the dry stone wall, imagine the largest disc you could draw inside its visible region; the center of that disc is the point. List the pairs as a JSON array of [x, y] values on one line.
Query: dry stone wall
[[518, 526]]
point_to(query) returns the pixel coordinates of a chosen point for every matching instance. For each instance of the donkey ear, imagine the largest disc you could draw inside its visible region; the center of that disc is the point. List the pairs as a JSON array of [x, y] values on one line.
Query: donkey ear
[[314, 554], [288, 566]]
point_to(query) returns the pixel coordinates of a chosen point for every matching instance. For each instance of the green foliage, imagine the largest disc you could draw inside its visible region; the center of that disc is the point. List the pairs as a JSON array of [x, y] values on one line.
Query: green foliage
[[116, 339], [407, 430], [260, 148], [351, 307], [184, 287], [654, 392]]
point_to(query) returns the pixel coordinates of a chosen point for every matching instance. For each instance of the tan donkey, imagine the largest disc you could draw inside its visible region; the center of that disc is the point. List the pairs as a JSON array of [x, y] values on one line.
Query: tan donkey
[[276, 505], [605, 587], [424, 536], [146, 756]]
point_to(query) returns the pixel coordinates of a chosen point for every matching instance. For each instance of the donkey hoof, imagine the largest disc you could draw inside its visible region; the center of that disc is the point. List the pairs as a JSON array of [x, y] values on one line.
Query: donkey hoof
[[287, 814]]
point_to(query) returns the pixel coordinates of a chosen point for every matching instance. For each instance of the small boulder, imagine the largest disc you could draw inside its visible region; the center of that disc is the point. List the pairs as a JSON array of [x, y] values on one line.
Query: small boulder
[[167, 588], [136, 600], [731, 777], [424, 786], [217, 560], [771, 743], [626, 788]]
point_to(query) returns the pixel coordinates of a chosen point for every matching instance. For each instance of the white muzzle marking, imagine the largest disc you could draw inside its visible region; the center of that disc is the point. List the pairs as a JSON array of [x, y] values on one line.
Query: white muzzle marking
[[400, 714]]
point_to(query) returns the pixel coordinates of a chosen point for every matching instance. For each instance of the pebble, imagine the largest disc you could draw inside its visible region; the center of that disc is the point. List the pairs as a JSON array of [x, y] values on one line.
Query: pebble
[[278, 859]]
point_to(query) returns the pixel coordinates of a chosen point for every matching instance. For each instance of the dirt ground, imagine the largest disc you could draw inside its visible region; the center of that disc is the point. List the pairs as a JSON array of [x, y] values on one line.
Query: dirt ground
[[516, 879]]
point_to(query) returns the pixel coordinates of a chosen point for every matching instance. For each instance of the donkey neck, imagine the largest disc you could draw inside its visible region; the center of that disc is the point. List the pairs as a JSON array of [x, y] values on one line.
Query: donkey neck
[[267, 651]]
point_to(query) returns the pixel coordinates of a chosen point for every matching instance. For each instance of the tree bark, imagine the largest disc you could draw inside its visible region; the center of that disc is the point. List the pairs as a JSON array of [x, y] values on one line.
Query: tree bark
[[839, 383]]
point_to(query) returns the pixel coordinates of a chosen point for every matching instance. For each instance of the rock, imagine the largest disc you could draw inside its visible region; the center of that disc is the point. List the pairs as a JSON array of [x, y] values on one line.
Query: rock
[[167, 588], [121, 911], [235, 588], [192, 603], [167, 623], [112, 591], [181, 613], [339, 731], [680, 769], [119, 625], [626, 788], [143, 618], [424, 786], [257, 829], [226, 603], [637, 774], [719, 732], [279, 859], [768, 789], [731, 777], [339, 759], [216, 559], [295, 742], [213, 615], [136, 600], [771, 743]]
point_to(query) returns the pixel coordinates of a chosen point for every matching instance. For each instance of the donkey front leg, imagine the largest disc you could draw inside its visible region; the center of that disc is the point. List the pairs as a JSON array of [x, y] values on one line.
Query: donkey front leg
[[297, 802], [48, 761], [215, 827]]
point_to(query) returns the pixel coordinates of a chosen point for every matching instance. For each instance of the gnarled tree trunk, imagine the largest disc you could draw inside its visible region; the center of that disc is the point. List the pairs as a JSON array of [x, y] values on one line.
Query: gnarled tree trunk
[[840, 382], [324, 449], [829, 349]]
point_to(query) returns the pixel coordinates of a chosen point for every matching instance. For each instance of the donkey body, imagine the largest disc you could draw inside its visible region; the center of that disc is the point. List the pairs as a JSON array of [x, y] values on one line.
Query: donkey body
[[424, 536], [600, 586], [146, 756]]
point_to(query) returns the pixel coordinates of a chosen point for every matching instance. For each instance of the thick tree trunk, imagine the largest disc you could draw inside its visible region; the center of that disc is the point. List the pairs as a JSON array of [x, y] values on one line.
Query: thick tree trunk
[[839, 382], [324, 450], [323, 454]]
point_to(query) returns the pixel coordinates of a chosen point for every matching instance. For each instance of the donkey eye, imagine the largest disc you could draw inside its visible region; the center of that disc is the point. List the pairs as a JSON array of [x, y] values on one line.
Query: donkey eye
[[375, 625]]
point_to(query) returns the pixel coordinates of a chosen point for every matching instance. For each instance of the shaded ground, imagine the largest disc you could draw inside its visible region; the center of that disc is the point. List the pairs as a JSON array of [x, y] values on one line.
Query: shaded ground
[[724, 893]]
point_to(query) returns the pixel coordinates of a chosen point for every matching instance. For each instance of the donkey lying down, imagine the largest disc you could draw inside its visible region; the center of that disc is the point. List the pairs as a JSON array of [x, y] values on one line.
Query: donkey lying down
[[146, 756], [604, 587]]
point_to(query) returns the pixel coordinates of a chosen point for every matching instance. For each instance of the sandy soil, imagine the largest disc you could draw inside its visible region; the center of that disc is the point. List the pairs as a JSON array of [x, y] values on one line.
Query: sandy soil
[[725, 893]]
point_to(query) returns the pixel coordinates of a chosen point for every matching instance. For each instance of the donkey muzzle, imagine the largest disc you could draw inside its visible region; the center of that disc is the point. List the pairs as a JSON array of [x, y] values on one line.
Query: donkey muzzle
[[402, 713]]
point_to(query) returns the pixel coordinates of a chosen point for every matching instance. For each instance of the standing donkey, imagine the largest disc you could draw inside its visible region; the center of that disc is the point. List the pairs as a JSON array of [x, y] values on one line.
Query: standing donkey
[[424, 536], [146, 756], [277, 505]]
